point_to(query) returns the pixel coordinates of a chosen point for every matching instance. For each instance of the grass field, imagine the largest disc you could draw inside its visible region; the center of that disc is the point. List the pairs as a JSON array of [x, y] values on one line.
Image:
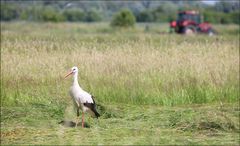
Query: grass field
[[152, 87]]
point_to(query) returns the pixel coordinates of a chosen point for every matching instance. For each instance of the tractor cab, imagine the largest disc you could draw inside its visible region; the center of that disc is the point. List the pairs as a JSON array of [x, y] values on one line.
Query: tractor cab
[[191, 16]]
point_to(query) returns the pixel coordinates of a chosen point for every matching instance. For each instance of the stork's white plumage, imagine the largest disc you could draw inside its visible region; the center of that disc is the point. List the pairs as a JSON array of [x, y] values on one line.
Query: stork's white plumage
[[82, 100]]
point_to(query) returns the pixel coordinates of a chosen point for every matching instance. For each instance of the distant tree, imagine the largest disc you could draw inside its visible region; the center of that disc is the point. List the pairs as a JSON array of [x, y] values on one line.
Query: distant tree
[[50, 14], [92, 16], [145, 10], [165, 12], [159, 14], [8, 12], [124, 18], [221, 17], [227, 7], [74, 15], [145, 16], [33, 13], [146, 3]]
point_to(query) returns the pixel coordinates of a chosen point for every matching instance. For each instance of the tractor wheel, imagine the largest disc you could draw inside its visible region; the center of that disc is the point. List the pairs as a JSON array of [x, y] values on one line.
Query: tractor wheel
[[189, 30], [211, 32]]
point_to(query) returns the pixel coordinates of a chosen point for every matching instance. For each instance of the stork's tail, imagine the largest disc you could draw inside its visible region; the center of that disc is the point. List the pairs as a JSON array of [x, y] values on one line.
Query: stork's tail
[[96, 113], [92, 107]]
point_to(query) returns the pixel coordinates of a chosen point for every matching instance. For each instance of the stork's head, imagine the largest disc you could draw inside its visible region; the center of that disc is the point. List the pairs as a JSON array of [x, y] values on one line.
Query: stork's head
[[73, 71]]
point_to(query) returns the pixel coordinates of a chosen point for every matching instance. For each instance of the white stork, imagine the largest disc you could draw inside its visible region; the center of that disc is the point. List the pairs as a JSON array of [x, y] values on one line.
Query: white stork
[[81, 98]]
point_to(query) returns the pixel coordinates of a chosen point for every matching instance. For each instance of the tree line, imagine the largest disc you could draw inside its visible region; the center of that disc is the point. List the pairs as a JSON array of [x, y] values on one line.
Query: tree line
[[50, 11]]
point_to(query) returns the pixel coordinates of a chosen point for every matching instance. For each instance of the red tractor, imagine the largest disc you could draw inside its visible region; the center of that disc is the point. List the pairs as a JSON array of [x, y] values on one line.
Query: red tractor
[[189, 22]]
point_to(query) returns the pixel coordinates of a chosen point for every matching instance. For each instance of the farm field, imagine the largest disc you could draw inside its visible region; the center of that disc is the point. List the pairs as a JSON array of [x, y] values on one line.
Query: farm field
[[151, 87]]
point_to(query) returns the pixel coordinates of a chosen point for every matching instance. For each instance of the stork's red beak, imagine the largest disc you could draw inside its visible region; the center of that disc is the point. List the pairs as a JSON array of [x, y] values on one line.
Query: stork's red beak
[[68, 74]]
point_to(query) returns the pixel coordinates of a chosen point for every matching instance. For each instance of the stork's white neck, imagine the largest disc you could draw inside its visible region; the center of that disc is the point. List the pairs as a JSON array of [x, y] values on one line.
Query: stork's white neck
[[75, 78]]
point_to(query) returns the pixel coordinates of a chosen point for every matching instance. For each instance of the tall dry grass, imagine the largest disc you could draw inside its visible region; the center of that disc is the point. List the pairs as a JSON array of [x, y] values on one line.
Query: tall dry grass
[[129, 66]]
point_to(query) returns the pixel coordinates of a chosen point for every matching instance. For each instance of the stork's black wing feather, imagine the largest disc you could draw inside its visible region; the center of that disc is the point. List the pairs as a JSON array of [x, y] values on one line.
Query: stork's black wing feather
[[92, 106]]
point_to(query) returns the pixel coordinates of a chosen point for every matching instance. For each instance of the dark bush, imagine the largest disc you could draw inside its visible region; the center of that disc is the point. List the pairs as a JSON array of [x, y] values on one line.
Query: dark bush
[[235, 17], [225, 19], [124, 18], [209, 17]]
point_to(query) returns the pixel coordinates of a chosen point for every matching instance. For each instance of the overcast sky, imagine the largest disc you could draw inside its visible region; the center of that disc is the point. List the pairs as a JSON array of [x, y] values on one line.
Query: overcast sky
[[210, 2]]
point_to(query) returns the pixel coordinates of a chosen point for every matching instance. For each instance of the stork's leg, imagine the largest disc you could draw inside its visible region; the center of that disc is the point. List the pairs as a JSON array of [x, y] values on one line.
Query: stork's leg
[[77, 120], [82, 119]]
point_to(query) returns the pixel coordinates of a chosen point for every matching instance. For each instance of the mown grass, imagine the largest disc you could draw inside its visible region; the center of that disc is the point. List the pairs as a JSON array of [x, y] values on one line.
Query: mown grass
[[124, 124], [133, 73]]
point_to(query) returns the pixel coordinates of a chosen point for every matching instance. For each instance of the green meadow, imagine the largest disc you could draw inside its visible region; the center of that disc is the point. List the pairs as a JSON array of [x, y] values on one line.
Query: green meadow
[[151, 87]]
